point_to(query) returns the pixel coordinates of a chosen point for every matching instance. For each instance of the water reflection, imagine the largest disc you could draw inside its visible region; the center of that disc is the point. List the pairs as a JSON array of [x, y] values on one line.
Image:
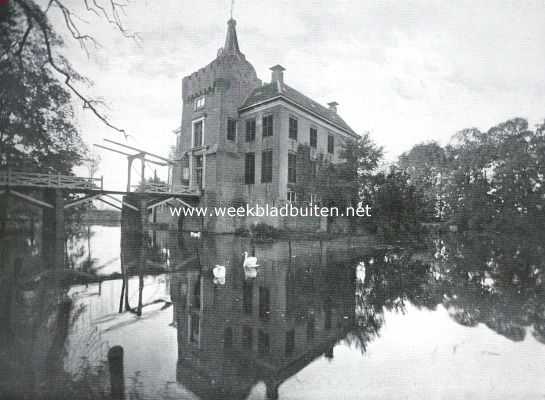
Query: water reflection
[[248, 329], [263, 329]]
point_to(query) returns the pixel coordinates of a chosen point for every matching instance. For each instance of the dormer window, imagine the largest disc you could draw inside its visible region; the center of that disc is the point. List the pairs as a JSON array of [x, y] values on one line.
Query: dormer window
[[199, 103]]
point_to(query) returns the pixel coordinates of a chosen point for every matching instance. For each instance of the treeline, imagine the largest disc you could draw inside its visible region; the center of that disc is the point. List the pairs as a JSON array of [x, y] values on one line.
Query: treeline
[[491, 180]]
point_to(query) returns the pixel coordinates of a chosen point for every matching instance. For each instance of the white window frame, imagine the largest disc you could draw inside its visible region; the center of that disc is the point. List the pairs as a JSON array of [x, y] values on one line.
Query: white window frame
[[199, 103], [193, 123]]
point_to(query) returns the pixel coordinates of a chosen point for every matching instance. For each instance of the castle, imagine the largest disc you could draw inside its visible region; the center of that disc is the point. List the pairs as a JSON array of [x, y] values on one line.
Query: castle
[[242, 141]]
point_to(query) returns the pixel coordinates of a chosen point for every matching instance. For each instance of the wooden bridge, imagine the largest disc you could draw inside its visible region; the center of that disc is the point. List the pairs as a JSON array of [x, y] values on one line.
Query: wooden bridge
[[11, 182], [54, 193], [49, 192]]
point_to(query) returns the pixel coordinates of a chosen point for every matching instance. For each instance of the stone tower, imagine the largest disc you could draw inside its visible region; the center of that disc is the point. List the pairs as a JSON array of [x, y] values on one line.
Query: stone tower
[[211, 98]]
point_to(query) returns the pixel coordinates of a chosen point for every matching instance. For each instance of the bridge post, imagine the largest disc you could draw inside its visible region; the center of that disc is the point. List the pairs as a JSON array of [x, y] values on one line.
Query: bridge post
[[135, 220], [53, 230], [271, 389], [117, 378], [143, 214]]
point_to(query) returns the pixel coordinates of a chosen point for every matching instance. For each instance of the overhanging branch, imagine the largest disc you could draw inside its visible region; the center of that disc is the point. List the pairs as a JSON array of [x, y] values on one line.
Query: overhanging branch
[[36, 15]]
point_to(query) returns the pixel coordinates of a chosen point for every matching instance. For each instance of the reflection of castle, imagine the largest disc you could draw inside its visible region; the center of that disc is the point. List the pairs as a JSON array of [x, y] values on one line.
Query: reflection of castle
[[263, 330]]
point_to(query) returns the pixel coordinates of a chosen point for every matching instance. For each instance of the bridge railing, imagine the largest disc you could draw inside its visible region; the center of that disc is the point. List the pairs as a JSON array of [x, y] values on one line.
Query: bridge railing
[[164, 188], [155, 187], [58, 181]]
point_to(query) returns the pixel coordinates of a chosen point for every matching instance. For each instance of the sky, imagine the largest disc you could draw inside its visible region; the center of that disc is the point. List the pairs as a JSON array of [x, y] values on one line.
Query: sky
[[407, 72]]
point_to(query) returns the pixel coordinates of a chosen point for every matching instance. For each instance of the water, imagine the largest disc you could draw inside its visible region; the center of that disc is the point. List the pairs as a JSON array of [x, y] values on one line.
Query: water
[[457, 317]]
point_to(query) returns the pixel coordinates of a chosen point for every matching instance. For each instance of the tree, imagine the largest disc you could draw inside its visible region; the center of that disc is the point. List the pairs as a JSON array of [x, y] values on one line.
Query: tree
[[36, 116], [398, 205], [347, 183], [37, 128], [496, 177], [425, 164]]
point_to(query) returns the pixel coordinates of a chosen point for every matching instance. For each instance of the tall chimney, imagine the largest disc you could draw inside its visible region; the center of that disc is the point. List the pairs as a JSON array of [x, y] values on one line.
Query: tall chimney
[[277, 74], [333, 106]]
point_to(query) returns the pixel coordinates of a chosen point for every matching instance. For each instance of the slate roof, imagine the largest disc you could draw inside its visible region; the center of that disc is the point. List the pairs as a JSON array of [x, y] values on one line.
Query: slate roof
[[275, 90]]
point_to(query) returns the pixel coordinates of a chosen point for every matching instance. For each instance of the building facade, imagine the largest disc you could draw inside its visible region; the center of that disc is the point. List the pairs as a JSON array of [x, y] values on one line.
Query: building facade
[[243, 141]]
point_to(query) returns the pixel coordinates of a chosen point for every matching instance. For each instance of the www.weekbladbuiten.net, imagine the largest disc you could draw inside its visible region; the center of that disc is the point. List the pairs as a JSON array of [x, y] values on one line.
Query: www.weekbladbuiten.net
[[287, 210]]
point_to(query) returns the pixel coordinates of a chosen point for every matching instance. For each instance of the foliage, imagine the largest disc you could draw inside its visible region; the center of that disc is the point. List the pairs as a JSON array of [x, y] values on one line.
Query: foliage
[[344, 184], [37, 130], [426, 166], [484, 180], [398, 206]]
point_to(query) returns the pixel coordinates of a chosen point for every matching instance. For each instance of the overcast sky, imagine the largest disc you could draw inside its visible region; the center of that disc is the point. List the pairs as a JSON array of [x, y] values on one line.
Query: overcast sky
[[407, 71]]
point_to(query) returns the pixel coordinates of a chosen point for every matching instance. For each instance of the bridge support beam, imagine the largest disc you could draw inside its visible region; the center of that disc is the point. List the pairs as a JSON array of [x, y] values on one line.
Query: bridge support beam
[[53, 230], [134, 214]]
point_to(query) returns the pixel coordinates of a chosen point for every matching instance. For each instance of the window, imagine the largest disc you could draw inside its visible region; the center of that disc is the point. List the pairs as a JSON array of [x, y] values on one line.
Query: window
[[247, 297], [293, 128], [290, 342], [250, 130], [197, 133], [199, 103], [249, 169], [292, 196], [247, 337], [231, 129], [196, 294], [194, 328], [267, 126], [330, 144], [266, 166], [264, 302], [263, 345], [198, 170], [185, 171], [313, 137], [314, 169], [313, 198], [292, 171]]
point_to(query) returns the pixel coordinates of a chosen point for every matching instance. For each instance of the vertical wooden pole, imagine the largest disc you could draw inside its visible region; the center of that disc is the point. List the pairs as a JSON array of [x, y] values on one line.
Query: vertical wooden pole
[[142, 173], [53, 229], [117, 378], [59, 229], [129, 166], [271, 390]]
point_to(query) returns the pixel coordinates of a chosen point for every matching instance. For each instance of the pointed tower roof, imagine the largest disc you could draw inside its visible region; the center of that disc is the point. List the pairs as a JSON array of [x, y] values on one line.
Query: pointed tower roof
[[231, 40]]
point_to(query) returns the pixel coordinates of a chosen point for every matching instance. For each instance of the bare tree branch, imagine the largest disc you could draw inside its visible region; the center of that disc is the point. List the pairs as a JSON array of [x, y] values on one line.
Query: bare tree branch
[[73, 28], [113, 17], [34, 13]]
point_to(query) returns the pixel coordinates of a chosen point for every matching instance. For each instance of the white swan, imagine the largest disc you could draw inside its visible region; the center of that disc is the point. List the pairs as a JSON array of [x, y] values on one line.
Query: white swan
[[250, 273], [249, 262], [195, 235], [360, 272], [219, 274]]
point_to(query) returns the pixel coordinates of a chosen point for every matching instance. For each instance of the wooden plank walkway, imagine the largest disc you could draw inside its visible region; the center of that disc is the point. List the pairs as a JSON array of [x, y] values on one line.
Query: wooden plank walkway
[[77, 184]]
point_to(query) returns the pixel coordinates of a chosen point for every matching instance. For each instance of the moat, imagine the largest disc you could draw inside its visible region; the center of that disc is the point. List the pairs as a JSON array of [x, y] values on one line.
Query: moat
[[453, 317]]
